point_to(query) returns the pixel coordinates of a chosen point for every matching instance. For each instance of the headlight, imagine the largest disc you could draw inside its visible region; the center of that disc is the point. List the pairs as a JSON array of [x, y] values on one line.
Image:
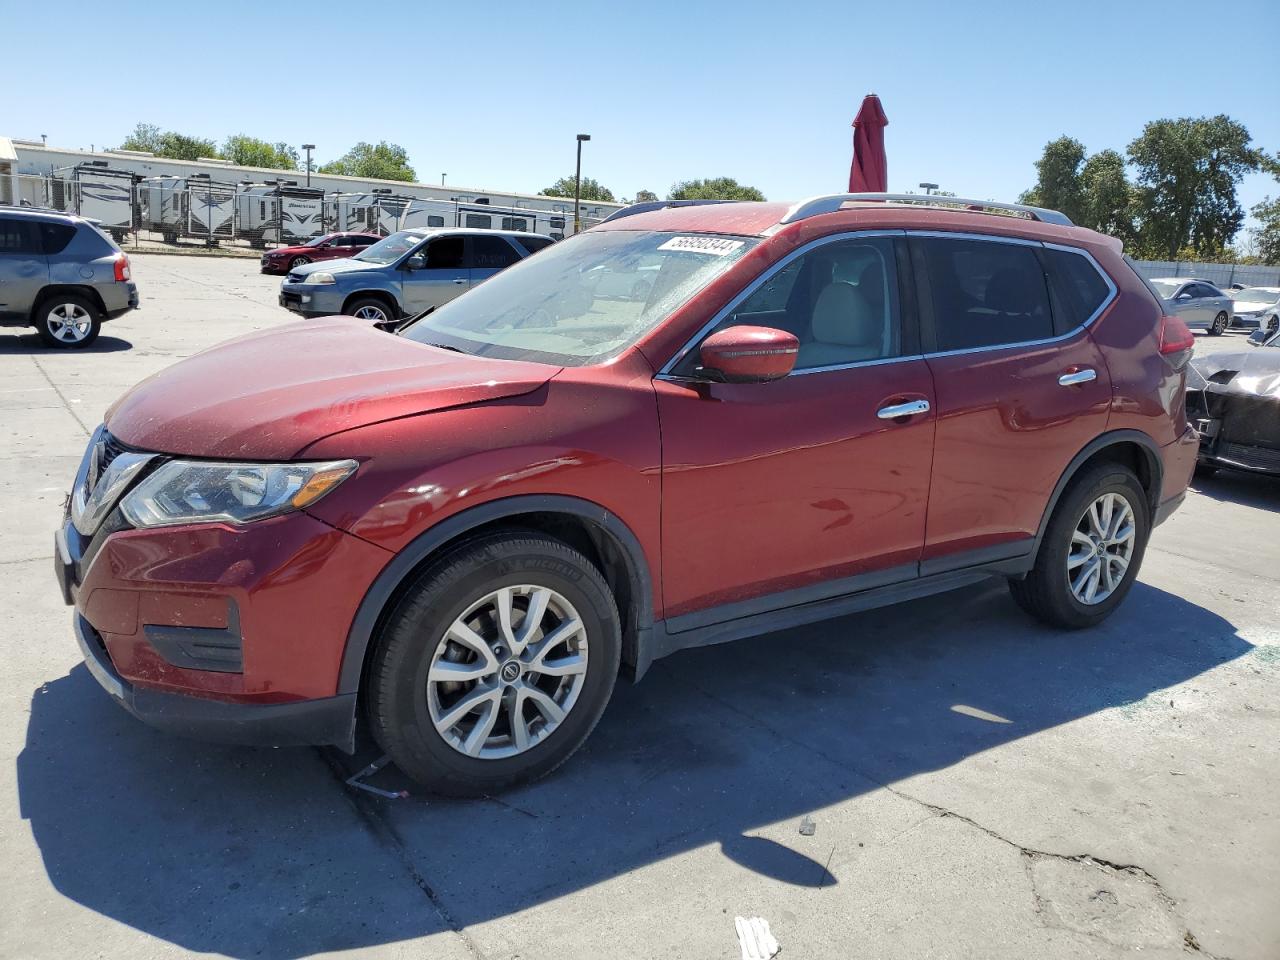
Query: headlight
[[187, 491], [318, 277]]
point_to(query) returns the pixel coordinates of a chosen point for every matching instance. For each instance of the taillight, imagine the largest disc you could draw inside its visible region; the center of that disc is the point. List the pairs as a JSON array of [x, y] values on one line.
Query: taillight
[[122, 268], [1175, 336]]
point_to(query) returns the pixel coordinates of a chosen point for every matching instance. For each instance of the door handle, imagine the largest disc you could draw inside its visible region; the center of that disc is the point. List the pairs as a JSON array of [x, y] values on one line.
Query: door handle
[[460, 280], [908, 409], [1079, 376]]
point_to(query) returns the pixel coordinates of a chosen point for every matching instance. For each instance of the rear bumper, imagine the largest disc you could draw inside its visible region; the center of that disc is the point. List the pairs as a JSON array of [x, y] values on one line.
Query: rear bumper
[[120, 301], [329, 721]]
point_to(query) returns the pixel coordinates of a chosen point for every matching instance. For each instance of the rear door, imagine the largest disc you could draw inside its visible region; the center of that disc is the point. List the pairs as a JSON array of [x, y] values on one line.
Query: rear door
[[442, 277], [24, 269], [1021, 387], [487, 255]]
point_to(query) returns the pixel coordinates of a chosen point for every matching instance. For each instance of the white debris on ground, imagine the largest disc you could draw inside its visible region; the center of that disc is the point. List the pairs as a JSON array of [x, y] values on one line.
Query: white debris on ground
[[755, 939]]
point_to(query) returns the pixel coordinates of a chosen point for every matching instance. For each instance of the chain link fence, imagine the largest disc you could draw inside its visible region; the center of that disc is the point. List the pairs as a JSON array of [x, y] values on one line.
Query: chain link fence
[[199, 210]]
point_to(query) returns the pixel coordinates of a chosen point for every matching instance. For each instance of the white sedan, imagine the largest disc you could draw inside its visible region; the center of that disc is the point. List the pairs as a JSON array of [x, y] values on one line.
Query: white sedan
[[1197, 303], [1256, 307]]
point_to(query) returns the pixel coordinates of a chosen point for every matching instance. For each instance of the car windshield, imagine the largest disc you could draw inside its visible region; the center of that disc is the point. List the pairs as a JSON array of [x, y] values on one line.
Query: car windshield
[[582, 300], [316, 241], [390, 248], [1256, 295], [1166, 288]]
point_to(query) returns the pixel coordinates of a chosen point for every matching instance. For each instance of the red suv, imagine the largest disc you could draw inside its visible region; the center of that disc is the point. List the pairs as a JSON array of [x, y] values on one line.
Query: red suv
[[332, 246], [463, 528]]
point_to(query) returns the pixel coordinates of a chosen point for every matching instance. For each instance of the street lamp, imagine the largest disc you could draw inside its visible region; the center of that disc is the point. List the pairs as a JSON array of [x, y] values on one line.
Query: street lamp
[[442, 176], [308, 147], [577, 185], [928, 188]]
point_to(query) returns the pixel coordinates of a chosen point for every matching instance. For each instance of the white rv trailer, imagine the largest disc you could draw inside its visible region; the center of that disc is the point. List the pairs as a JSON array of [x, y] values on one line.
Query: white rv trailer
[[459, 213], [376, 212], [302, 213], [196, 206], [96, 191], [258, 212]]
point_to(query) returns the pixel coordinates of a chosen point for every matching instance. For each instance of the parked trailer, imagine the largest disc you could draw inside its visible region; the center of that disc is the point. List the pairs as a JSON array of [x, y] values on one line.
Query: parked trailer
[[258, 213], [161, 206], [302, 213], [457, 213], [95, 190], [376, 212], [198, 207]]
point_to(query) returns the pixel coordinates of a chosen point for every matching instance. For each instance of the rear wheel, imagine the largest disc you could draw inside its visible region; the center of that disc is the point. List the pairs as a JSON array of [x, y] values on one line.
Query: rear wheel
[[1219, 325], [68, 321], [495, 666], [1091, 551], [370, 308]]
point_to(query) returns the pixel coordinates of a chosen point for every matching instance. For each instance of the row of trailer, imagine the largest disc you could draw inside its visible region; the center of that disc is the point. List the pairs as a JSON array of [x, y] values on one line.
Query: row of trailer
[[272, 212]]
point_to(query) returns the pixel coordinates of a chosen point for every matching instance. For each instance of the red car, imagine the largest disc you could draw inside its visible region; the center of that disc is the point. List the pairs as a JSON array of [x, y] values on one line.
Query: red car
[[471, 525], [332, 246]]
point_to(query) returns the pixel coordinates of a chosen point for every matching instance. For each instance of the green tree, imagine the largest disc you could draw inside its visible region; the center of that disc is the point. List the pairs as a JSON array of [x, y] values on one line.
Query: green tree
[[1106, 196], [385, 161], [1058, 184], [1266, 236], [645, 196], [591, 189], [1188, 170], [248, 151], [145, 136], [719, 188]]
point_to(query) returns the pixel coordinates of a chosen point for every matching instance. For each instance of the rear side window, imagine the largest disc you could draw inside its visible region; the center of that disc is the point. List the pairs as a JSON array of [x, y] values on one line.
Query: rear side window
[[1078, 289], [18, 237], [986, 293], [533, 244], [56, 236], [492, 253]]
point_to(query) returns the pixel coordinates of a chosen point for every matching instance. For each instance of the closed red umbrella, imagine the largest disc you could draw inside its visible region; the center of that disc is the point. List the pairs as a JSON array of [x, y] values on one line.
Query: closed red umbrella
[[870, 171]]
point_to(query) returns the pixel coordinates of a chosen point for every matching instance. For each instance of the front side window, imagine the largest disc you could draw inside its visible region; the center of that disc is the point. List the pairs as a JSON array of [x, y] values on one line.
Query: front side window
[[583, 300], [986, 293], [839, 299], [1166, 288]]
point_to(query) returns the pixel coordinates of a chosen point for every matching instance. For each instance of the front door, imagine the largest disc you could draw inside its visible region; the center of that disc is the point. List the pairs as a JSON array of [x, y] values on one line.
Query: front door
[[24, 271], [442, 276], [1021, 387], [782, 493]]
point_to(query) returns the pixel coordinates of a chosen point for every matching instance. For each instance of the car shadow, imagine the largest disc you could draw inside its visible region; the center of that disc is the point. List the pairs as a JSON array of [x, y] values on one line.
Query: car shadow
[[1237, 486], [257, 853], [31, 343]]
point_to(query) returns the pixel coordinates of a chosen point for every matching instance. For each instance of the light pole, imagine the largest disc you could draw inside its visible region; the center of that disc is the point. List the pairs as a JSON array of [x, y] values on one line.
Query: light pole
[[928, 188], [442, 176], [308, 147], [577, 185]]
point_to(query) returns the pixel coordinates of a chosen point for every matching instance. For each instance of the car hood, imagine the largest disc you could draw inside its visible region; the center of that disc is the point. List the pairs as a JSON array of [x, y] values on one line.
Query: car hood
[[1256, 372], [343, 265], [269, 395], [1252, 306], [289, 251]]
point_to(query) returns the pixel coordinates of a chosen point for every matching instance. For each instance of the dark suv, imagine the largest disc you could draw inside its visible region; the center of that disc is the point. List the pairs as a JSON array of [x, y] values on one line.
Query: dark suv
[[62, 275], [465, 528]]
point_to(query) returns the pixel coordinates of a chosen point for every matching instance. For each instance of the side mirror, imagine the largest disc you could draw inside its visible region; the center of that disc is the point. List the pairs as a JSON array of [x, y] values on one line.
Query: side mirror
[[746, 354], [416, 262], [1184, 296]]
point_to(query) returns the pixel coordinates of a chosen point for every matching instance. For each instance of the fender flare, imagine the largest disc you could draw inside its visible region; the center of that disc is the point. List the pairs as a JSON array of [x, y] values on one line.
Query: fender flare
[[1099, 443], [402, 565]]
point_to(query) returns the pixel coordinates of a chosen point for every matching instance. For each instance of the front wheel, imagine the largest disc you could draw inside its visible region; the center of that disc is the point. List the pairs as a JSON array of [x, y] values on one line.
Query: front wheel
[[1219, 325], [1091, 550], [370, 308], [68, 322], [496, 664], [297, 262]]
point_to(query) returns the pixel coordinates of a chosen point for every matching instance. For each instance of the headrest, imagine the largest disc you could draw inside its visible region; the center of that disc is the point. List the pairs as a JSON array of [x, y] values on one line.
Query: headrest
[[843, 316]]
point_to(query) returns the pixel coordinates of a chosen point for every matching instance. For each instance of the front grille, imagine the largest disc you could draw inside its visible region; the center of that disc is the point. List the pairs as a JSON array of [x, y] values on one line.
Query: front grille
[[111, 448], [1260, 458], [294, 278]]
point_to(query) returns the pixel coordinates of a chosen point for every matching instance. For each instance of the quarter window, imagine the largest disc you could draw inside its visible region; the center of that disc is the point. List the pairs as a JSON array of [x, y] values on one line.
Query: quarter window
[[1078, 289], [56, 236], [840, 300], [986, 293]]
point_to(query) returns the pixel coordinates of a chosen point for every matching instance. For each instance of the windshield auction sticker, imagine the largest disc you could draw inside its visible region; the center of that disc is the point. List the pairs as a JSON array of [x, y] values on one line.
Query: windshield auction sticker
[[711, 246]]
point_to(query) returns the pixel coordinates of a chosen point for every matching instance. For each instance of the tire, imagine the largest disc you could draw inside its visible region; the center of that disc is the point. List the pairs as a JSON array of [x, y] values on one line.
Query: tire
[[1046, 592], [409, 702], [68, 322], [1273, 324], [371, 308], [1205, 469], [1220, 324], [297, 262]]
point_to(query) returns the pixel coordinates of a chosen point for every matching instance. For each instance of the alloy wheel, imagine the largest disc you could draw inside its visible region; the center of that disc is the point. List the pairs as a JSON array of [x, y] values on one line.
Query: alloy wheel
[[1220, 324], [507, 673], [69, 323], [1101, 548], [371, 312]]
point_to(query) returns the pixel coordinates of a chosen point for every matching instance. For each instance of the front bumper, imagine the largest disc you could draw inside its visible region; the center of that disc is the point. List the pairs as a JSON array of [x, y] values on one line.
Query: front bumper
[[309, 722], [311, 300], [1246, 321]]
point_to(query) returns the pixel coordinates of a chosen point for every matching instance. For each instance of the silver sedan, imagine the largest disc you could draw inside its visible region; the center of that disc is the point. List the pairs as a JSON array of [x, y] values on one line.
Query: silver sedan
[[1197, 303]]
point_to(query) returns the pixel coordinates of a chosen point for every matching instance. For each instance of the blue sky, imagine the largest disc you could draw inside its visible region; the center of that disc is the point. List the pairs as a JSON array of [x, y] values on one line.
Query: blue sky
[[493, 93]]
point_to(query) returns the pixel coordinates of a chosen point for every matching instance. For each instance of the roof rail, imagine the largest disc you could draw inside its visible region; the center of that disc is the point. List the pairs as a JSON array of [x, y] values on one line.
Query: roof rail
[[814, 206], [646, 205]]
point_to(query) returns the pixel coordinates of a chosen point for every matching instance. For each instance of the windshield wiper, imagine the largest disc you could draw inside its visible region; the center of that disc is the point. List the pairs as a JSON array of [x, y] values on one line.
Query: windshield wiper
[[445, 346], [395, 326]]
